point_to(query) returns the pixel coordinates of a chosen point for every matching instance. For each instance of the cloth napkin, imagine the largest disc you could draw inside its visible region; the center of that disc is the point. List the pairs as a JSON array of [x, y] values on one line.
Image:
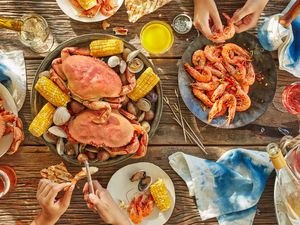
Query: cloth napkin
[[228, 189], [273, 36], [13, 75]]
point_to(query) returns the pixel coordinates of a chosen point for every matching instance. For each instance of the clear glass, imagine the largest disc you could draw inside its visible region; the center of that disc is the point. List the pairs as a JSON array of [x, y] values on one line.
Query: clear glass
[[35, 33]]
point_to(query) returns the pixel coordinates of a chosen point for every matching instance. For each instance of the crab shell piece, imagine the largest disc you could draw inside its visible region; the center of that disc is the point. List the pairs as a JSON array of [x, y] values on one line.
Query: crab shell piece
[[90, 78], [115, 132]]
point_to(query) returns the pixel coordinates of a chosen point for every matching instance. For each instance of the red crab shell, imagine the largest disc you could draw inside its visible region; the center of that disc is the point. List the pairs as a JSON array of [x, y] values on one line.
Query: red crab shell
[[116, 132], [90, 78]]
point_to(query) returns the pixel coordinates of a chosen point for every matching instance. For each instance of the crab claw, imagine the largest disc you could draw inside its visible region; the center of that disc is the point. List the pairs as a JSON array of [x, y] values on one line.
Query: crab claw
[[143, 144]]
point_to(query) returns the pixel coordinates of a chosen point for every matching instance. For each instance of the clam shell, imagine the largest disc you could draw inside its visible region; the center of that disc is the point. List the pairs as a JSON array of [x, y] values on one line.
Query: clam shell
[[146, 126], [123, 66], [132, 55], [60, 146], [125, 54], [144, 183], [141, 117], [61, 116], [143, 104], [131, 108], [90, 148], [50, 138], [136, 65], [81, 148], [45, 73], [113, 61], [149, 115], [57, 131], [138, 175], [103, 155], [71, 149]]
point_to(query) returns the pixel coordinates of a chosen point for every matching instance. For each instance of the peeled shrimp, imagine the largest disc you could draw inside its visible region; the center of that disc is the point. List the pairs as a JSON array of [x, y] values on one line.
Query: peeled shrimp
[[199, 58], [233, 54], [202, 97], [228, 32], [203, 76]]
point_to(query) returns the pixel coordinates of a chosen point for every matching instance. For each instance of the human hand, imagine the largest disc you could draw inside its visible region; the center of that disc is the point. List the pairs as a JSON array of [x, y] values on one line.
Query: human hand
[[52, 208], [246, 17], [102, 203], [206, 17]]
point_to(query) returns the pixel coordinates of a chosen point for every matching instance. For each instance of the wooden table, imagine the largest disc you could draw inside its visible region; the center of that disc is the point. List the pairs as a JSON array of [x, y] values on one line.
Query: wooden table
[[20, 206]]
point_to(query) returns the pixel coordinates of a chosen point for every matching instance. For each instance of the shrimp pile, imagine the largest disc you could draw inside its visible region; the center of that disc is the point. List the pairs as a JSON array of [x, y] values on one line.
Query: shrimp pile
[[223, 75]]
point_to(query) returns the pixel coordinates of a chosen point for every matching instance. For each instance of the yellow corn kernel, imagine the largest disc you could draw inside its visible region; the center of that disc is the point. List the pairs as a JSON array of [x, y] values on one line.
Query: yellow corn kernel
[[160, 195], [51, 92], [42, 121], [101, 48], [87, 4], [144, 84]]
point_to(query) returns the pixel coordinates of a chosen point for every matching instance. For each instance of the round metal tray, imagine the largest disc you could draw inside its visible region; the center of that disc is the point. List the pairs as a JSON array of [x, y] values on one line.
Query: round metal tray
[[261, 93], [37, 101]]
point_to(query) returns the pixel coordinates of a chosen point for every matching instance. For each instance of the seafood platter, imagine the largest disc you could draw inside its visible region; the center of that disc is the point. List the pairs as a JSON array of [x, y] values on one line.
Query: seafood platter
[[96, 97], [89, 10], [227, 85], [147, 195]]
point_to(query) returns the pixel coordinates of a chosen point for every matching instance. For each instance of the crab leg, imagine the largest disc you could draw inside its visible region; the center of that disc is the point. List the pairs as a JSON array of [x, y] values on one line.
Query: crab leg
[[58, 80], [74, 51], [142, 150], [102, 107]]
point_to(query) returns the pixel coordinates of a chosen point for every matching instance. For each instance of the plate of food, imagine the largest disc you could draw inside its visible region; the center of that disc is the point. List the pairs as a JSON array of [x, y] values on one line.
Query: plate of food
[[96, 97], [89, 11], [145, 192], [227, 85]]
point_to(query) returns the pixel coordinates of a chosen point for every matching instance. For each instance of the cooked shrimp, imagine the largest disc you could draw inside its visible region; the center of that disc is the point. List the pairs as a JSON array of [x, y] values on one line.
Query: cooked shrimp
[[213, 53], [245, 88], [215, 72], [202, 97], [206, 86], [199, 58], [250, 74], [215, 109], [219, 91], [220, 67], [203, 76], [228, 32], [230, 101], [243, 100], [238, 71], [233, 54]]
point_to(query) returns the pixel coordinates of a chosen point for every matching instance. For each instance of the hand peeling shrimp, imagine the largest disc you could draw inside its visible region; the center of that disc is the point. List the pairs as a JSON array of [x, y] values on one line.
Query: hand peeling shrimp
[[203, 76], [228, 32]]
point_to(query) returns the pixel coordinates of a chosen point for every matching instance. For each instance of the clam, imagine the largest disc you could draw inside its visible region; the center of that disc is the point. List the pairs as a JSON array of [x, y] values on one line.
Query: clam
[[60, 146], [131, 108], [91, 155], [61, 116], [81, 148], [132, 55], [152, 97], [143, 104], [82, 157], [136, 65], [138, 175], [141, 117], [123, 66], [76, 107], [125, 54], [45, 73], [103, 155], [50, 138], [90, 148], [71, 149], [57, 131], [146, 126], [149, 115], [113, 61], [144, 183]]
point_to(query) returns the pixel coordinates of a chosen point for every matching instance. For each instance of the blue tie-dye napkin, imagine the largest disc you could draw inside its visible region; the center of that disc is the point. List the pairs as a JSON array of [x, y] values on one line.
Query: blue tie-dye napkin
[[273, 36], [228, 189]]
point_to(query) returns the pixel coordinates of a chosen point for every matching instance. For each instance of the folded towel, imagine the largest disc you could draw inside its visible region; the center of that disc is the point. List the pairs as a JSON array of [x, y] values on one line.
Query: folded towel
[[13, 75], [228, 189], [273, 36]]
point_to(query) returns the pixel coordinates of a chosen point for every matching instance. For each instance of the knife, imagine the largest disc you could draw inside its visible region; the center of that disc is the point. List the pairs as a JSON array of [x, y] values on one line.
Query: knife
[[89, 177]]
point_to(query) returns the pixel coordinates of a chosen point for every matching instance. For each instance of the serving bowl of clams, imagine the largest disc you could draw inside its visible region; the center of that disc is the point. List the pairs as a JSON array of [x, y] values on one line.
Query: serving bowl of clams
[[97, 98]]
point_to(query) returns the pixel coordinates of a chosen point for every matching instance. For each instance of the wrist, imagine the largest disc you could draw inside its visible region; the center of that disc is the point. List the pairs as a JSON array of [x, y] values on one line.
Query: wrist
[[44, 219]]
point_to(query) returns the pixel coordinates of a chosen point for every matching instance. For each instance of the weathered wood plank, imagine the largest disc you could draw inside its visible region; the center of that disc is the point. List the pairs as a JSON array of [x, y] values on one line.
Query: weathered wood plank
[[64, 28], [27, 163], [261, 132]]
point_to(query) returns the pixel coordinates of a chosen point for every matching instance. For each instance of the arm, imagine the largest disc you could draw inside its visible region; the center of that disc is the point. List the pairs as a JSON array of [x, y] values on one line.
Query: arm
[[52, 208]]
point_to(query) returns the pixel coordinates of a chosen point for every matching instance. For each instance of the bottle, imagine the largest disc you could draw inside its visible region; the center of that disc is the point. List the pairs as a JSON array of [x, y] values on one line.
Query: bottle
[[288, 183], [8, 179], [33, 31]]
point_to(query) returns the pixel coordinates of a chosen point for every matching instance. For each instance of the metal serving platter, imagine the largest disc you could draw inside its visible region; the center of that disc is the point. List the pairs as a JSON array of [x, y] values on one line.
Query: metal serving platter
[[37, 101], [261, 93]]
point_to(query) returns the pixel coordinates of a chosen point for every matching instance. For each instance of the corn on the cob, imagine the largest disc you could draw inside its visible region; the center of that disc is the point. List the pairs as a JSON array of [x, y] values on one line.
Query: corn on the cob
[[87, 4], [144, 84], [160, 195], [42, 121], [101, 48], [51, 92]]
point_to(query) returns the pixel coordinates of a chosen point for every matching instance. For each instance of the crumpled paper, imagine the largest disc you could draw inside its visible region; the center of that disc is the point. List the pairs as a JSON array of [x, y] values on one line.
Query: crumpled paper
[[273, 36], [13, 75], [228, 189]]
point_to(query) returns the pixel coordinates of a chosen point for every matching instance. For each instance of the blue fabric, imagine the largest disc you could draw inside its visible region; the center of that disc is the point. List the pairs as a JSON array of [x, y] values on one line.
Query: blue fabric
[[228, 189]]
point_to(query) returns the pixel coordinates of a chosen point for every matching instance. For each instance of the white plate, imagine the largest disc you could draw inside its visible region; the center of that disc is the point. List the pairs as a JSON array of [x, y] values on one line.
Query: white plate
[[71, 11], [9, 105], [122, 188]]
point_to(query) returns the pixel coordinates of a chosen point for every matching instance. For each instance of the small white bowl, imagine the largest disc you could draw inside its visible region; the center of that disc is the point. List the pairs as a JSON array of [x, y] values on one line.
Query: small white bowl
[[67, 7]]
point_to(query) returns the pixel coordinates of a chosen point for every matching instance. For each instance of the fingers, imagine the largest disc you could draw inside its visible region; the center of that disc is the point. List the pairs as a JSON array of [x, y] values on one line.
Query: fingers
[[217, 21], [55, 188], [247, 23], [41, 186], [95, 201], [96, 185], [66, 199], [240, 14]]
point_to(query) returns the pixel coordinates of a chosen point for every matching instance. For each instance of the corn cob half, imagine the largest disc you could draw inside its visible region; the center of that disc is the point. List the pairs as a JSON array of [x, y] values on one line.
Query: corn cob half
[[42, 121], [160, 195], [87, 4], [51, 92], [101, 48], [144, 84]]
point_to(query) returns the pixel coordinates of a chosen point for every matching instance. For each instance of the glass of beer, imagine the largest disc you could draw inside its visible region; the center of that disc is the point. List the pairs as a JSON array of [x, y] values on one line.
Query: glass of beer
[[8, 179], [157, 37]]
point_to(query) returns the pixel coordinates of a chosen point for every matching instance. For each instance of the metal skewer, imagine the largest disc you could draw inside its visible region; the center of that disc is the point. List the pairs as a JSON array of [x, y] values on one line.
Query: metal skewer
[[180, 114], [89, 177], [187, 132]]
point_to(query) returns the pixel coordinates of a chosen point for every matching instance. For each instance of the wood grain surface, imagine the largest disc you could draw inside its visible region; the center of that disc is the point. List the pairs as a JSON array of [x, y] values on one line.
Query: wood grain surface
[[20, 206]]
